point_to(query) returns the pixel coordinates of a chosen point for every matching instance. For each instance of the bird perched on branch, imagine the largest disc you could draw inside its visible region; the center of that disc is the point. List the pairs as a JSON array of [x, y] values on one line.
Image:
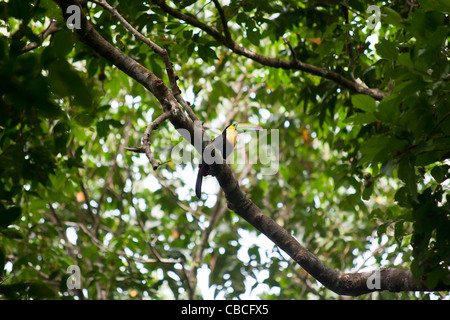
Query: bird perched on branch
[[225, 143]]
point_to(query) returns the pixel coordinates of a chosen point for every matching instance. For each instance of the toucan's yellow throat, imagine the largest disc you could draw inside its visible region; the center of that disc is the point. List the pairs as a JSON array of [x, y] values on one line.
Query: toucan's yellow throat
[[231, 134]]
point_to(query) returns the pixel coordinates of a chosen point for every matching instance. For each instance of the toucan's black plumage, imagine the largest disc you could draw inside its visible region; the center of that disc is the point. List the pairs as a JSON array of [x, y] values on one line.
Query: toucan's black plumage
[[225, 143]]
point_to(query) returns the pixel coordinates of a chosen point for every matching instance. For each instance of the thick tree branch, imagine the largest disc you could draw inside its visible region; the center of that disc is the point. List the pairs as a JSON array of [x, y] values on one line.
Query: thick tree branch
[[293, 64], [353, 284], [342, 283]]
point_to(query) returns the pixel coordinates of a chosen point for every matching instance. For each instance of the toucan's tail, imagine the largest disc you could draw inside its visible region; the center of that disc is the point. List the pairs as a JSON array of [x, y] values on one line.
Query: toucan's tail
[[198, 184]]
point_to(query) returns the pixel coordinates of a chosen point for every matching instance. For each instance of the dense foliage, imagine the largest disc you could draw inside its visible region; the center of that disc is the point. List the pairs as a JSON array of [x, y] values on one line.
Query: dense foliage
[[361, 183]]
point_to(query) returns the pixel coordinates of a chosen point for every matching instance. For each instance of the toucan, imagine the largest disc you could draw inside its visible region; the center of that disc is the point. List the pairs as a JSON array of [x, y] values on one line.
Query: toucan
[[225, 143]]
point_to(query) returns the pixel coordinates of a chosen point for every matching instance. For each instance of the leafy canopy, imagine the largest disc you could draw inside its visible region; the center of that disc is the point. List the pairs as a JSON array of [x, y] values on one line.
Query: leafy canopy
[[361, 183]]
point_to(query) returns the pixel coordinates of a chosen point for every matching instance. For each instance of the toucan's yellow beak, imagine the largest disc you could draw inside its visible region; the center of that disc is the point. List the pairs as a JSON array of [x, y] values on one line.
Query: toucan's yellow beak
[[244, 127]]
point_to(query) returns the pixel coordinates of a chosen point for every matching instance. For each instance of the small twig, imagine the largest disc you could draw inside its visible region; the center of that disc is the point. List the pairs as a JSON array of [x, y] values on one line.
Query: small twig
[[145, 147], [52, 28], [288, 43], [226, 31]]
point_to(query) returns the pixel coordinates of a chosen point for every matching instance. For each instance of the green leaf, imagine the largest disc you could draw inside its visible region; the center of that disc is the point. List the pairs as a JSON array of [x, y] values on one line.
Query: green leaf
[[325, 47], [9, 215], [2, 263], [407, 173], [156, 67], [444, 5], [387, 49], [440, 173], [361, 118], [367, 192], [363, 102], [387, 110], [62, 43], [93, 66], [58, 180], [405, 60], [387, 168], [399, 231], [241, 18], [190, 49], [206, 53], [410, 86], [253, 34], [40, 290], [284, 171], [19, 9], [434, 277], [186, 3], [372, 148], [402, 198], [381, 230], [84, 119], [391, 17]]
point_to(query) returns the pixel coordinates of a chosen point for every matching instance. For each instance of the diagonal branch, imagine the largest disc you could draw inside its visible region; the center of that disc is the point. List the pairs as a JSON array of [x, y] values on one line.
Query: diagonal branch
[[293, 64]]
